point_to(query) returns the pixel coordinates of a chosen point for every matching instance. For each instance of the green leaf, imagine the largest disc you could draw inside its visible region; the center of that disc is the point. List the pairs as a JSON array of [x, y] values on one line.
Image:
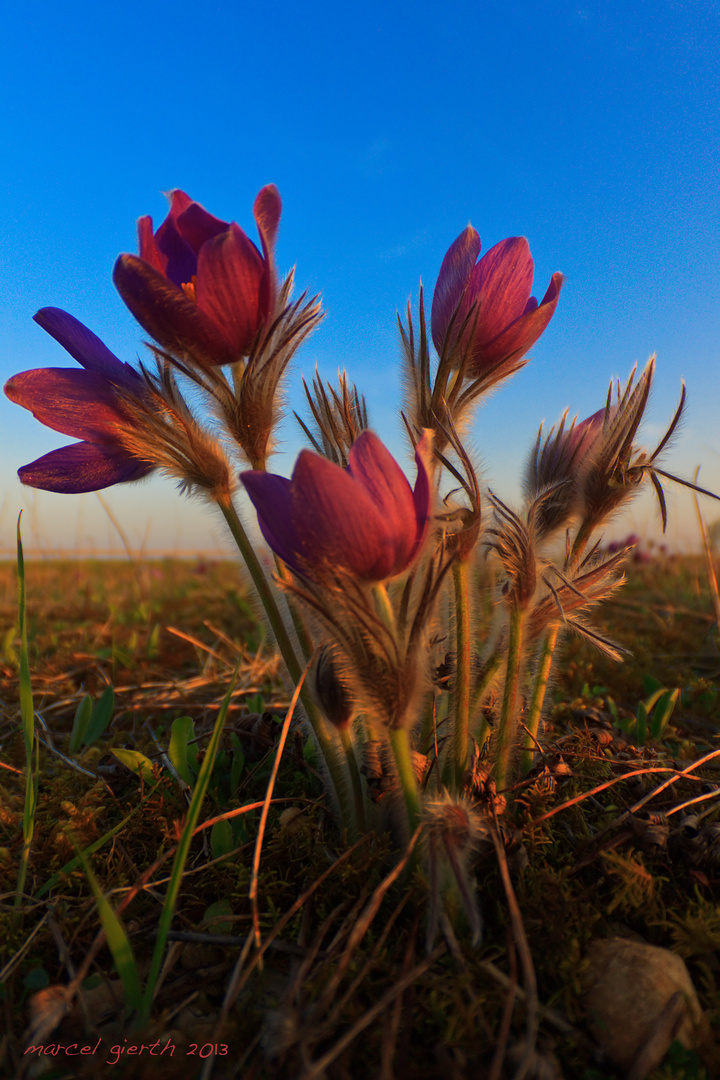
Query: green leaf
[[117, 939], [641, 726], [181, 733], [80, 723], [662, 712], [137, 762], [221, 839], [101, 716], [650, 684], [211, 920]]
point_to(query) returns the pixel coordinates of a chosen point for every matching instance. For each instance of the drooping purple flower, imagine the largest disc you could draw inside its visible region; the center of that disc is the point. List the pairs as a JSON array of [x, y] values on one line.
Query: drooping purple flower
[[84, 404], [505, 320], [200, 287], [364, 520]]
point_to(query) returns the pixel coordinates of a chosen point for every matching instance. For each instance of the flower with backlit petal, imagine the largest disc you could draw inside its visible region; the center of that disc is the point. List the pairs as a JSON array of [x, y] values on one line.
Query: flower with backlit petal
[[84, 404], [486, 307], [200, 286], [364, 520]]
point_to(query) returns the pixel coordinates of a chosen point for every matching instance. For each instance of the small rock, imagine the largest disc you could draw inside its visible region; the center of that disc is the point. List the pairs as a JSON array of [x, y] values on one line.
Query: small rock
[[638, 1000]]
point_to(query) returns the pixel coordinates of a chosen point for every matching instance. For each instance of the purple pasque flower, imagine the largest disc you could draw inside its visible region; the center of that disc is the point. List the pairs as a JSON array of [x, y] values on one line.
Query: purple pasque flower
[[200, 287], [364, 520], [486, 306], [84, 404]]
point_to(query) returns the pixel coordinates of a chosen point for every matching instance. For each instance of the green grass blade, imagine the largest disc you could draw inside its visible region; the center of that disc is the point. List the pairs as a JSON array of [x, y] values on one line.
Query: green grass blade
[[27, 719], [117, 939], [183, 851]]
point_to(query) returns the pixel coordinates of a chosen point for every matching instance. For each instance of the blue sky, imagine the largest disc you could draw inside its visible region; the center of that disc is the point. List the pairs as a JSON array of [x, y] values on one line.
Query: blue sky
[[591, 129]]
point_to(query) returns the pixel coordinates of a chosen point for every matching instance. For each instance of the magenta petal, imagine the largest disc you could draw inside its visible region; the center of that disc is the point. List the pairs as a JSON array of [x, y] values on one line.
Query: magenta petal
[[84, 346], [267, 210], [230, 269], [453, 278], [146, 244], [76, 403], [422, 492], [163, 310], [522, 334], [373, 466], [82, 467], [337, 520], [272, 498], [502, 282], [196, 226]]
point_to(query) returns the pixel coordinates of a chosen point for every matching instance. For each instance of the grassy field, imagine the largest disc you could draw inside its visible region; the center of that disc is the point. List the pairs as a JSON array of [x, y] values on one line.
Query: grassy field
[[342, 986]]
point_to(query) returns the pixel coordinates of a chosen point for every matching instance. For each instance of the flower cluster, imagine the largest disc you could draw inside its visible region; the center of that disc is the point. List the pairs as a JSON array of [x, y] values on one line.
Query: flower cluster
[[376, 574]]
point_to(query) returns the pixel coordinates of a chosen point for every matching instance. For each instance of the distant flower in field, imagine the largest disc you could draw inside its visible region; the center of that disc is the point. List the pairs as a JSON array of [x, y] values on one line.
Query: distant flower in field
[[201, 287], [364, 520], [84, 404], [486, 308]]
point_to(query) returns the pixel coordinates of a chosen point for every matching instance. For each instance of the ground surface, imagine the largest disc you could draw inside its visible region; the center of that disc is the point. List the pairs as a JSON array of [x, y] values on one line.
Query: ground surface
[[345, 987]]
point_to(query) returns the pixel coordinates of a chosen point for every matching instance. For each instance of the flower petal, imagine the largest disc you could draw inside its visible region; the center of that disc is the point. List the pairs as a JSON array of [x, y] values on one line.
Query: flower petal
[[76, 403], [337, 520], [267, 210], [176, 323], [230, 269], [502, 282], [452, 280], [84, 346], [372, 465], [82, 467], [522, 334], [272, 498], [196, 225]]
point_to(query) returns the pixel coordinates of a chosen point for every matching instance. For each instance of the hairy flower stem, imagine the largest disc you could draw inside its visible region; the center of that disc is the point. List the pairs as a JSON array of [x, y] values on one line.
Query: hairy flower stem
[[400, 742], [383, 606], [328, 748], [481, 729], [547, 653], [357, 792], [542, 676], [508, 715], [461, 690]]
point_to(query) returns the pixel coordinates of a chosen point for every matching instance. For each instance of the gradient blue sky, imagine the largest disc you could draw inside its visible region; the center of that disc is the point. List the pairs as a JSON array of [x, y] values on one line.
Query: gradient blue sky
[[591, 128]]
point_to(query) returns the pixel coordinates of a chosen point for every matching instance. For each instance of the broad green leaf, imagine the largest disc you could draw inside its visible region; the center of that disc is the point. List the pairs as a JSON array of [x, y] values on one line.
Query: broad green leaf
[[182, 731], [139, 763], [101, 716], [221, 839], [80, 723]]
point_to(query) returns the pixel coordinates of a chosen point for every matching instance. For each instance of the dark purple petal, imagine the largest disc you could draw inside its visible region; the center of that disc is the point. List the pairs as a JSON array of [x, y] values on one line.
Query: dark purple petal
[[76, 403], [452, 280], [168, 315], [337, 521], [272, 498], [82, 467], [230, 269], [522, 334], [502, 283], [84, 346]]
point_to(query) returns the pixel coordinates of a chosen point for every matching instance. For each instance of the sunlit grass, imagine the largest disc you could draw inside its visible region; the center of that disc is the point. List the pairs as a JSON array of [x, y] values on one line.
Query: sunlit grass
[[170, 883]]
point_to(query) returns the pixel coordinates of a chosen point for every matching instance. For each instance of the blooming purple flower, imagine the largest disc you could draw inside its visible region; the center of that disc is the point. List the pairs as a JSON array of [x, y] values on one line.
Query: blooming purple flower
[[506, 320], [200, 286], [364, 520], [84, 404]]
